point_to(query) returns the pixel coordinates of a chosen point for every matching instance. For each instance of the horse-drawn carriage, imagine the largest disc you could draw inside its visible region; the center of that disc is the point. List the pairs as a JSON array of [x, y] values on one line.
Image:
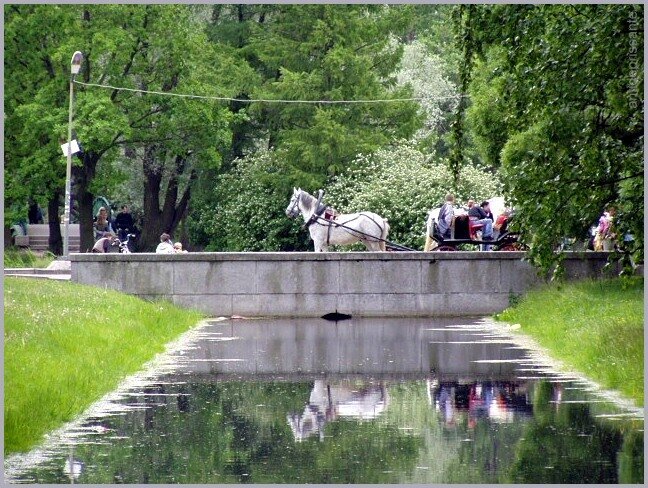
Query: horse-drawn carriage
[[327, 227], [467, 230]]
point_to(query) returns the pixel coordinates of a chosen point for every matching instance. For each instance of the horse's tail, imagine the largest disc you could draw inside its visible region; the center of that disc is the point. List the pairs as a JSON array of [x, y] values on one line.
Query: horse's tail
[[383, 236]]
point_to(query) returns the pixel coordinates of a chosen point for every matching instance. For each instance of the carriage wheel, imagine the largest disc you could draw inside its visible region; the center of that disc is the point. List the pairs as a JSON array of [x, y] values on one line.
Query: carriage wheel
[[446, 248]]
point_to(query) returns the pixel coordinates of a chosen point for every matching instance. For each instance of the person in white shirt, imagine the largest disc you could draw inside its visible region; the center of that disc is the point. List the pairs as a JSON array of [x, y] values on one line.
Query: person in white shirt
[[166, 245], [177, 247], [104, 243]]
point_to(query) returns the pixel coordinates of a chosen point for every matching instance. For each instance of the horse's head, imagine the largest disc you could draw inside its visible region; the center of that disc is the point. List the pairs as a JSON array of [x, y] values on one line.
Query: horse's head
[[292, 210]]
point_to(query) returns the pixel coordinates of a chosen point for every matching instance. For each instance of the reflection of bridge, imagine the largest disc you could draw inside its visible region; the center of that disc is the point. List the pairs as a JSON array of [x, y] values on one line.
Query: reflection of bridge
[[378, 348], [351, 363]]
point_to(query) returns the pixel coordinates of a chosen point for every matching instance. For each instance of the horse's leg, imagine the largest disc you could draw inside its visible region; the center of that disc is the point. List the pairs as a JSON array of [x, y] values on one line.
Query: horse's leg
[[373, 245], [319, 245], [383, 236]]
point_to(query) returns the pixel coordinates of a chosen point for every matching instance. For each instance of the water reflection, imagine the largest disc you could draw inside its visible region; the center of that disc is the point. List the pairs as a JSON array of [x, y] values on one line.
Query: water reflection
[[365, 401], [330, 401], [503, 401]]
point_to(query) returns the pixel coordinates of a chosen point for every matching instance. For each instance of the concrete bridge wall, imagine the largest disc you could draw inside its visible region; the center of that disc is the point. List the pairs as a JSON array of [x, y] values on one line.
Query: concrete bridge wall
[[367, 284]]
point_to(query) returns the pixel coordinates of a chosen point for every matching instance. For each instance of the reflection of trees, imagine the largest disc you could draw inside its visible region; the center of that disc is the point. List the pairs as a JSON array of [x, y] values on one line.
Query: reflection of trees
[[236, 432], [631, 458], [564, 444]]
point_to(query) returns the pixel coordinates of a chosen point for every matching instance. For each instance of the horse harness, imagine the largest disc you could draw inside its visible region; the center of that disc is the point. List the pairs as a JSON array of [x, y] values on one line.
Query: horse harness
[[330, 215]]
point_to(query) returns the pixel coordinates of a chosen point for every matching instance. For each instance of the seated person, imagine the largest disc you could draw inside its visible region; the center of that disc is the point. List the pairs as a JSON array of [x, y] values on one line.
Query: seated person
[[124, 223], [177, 247], [479, 214], [166, 245], [102, 223], [444, 220], [501, 224], [105, 242]]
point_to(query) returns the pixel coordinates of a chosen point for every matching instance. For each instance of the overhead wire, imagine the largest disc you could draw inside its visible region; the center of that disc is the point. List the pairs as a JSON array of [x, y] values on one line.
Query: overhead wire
[[263, 100]]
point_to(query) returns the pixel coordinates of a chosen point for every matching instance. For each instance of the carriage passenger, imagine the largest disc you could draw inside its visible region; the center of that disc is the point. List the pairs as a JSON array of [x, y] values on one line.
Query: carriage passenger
[[481, 214], [446, 213]]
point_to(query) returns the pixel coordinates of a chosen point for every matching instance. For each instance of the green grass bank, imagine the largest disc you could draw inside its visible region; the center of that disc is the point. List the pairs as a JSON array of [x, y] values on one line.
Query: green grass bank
[[595, 327], [66, 345], [26, 258]]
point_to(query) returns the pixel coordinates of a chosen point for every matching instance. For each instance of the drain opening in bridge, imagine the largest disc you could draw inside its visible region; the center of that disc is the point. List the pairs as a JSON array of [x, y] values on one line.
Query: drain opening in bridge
[[336, 316]]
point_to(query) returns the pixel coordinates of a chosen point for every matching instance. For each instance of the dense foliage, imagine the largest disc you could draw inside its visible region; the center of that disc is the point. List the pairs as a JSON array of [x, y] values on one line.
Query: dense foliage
[[138, 47], [557, 105], [547, 99], [247, 213]]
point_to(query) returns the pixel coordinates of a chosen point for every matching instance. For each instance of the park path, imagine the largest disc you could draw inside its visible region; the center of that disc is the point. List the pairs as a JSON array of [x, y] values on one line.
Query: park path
[[57, 270]]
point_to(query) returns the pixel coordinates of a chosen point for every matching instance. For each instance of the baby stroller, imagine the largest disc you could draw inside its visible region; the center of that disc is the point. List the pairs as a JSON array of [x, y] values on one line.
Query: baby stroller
[[123, 246]]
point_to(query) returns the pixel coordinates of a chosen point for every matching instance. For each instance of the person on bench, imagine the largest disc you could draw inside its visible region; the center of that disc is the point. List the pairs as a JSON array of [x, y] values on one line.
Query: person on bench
[[479, 214]]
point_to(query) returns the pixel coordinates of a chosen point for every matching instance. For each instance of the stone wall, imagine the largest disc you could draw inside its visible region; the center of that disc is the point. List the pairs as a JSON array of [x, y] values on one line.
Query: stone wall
[[300, 284]]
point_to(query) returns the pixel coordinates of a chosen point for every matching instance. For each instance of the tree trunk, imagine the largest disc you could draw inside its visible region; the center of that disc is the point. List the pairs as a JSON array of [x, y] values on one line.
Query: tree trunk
[[158, 219], [151, 220], [55, 240], [82, 178]]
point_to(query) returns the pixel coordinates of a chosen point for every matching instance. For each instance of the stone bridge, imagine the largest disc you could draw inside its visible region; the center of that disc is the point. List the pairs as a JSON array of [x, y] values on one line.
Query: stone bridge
[[306, 284]]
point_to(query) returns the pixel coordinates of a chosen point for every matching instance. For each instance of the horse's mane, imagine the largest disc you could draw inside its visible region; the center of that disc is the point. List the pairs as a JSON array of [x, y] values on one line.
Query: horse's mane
[[307, 199]]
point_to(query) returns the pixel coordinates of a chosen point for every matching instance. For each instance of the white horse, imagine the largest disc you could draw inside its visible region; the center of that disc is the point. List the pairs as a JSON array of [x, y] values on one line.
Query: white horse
[[496, 207], [367, 227]]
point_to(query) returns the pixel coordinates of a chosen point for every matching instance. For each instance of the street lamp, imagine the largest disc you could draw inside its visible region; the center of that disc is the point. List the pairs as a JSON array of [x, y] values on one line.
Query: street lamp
[[75, 66]]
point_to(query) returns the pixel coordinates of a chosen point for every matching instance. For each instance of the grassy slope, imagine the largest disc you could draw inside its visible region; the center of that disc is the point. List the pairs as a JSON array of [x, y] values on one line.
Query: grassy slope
[[66, 345], [595, 327], [20, 258]]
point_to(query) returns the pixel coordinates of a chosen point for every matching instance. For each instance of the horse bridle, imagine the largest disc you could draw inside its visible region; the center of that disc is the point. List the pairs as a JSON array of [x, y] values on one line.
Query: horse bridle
[[293, 211]]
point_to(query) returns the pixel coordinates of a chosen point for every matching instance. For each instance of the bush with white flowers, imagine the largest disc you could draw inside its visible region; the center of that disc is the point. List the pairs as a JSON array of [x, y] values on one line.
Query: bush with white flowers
[[399, 184]]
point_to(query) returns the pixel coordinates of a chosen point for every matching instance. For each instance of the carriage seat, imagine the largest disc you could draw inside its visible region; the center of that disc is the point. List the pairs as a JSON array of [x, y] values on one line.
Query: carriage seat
[[461, 227], [474, 227]]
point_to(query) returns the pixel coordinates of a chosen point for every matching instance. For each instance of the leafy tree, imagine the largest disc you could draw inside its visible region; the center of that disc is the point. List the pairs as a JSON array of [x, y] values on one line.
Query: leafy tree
[[557, 101], [35, 83], [426, 74], [401, 184], [249, 215], [304, 52], [140, 47], [328, 53]]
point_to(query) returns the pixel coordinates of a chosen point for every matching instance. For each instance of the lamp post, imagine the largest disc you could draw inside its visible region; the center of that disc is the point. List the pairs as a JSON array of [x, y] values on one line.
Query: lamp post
[[75, 66]]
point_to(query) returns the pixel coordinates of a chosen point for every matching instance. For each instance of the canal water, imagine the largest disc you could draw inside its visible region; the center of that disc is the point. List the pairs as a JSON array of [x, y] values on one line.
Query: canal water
[[356, 401]]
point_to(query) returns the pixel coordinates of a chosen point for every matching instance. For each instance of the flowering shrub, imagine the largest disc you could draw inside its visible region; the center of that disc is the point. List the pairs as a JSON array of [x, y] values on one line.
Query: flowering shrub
[[396, 183], [250, 211], [401, 186]]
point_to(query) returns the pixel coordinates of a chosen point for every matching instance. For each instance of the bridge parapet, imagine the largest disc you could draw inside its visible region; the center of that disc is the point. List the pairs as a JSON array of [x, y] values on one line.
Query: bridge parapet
[[304, 284]]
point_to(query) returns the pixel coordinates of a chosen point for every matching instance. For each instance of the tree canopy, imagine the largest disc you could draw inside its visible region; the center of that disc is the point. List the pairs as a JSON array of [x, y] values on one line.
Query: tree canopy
[[557, 106], [546, 99]]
